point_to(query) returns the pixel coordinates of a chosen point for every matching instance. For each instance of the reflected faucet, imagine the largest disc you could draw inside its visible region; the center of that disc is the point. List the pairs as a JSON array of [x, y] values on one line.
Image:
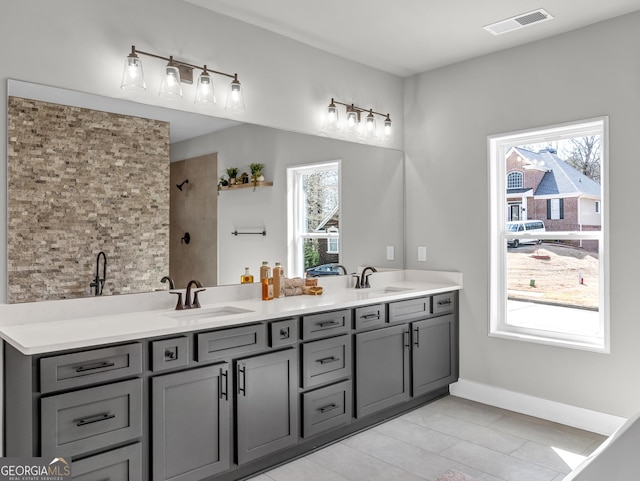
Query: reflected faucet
[[364, 280], [98, 282], [171, 284], [344, 270]]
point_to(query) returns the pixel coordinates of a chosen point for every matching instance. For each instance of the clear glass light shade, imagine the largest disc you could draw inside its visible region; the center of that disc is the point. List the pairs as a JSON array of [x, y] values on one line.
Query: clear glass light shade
[[132, 76], [388, 131], [333, 122], [204, 89], [352, 121], [170, 87], [370, 126], [235, 97]]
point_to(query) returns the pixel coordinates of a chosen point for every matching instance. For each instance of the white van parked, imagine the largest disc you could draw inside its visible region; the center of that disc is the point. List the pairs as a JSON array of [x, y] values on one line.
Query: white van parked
[[524, 226]]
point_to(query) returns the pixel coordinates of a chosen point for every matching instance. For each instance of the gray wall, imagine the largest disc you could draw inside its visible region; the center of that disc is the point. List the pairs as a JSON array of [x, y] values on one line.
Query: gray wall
[[449, 113]]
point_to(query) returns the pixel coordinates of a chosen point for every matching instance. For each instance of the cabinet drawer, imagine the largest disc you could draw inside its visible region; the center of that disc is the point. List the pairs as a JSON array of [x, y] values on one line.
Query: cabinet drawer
[[169, 353], [230, 342], [122, 464], [443, 303], [283, 333], [410, 309], [90, 419], [326, 408], [326, 360], [89, 367], [370, 316], [325, 324]]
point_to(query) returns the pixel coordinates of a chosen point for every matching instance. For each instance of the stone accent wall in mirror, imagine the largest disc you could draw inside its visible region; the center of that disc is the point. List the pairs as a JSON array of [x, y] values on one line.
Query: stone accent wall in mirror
[[82, 182]]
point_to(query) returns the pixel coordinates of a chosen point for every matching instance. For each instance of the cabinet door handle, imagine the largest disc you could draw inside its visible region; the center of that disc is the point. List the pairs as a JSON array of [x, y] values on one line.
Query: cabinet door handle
[[327, 360], [94, 419], [407, 342], [328, 408], [417, 332], [368, 317], [93, 367], [328, 323], [242, 387], [224, 388]]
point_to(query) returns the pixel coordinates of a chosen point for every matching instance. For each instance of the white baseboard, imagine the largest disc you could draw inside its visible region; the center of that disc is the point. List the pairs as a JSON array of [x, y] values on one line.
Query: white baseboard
[[581, 418]]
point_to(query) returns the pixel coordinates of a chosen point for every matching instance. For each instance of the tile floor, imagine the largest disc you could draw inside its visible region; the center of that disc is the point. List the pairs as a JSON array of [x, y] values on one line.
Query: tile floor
[[484, 442]]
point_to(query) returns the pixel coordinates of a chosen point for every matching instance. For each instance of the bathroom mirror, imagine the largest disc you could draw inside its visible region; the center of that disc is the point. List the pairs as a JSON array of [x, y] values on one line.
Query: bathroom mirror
[[371, 190]]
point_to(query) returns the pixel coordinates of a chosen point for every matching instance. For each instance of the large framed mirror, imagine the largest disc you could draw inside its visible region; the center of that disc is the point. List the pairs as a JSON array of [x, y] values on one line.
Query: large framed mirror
[[173, 146]]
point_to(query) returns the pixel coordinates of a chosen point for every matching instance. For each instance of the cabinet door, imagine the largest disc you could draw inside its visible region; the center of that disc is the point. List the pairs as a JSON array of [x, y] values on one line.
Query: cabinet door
[[267, 407], [434, 353], [382, 369], [190, 424]]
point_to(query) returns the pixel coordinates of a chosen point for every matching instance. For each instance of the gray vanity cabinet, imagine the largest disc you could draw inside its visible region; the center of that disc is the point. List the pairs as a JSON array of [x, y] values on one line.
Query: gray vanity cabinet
[[433, 353], [190, 422], [382, 368], [266, 404]]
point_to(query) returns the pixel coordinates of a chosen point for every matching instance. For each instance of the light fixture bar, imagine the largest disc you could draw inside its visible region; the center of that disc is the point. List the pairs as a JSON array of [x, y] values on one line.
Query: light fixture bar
[[180, 63], [354, 117], [359, 110]]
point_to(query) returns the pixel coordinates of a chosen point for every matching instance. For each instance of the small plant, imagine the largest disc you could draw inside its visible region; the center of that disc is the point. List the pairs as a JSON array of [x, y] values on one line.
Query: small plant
[[256, 172], [232, 172], [222, 182]]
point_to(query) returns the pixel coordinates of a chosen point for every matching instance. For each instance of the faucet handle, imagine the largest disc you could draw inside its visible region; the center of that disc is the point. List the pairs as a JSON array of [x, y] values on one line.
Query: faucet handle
[[366, 281], [196, 301], [179, 305], [357, 280]]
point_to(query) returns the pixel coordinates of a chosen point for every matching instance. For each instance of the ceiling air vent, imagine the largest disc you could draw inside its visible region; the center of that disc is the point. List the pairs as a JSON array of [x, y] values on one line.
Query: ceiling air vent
[[518, 22]]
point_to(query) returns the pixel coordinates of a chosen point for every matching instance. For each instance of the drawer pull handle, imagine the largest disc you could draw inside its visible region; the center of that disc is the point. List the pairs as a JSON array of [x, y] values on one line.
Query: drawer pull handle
[[367, 317], [327, 360], [94, 419], [444, 303], [328, 323], [328, 408], [93, 367]]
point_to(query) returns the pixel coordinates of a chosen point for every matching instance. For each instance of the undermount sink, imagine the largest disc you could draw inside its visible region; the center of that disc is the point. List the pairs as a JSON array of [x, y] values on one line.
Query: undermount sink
[[207, 313], [383, 290]]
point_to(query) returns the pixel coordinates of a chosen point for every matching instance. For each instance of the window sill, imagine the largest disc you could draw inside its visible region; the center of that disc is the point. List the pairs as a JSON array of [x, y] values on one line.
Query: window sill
[[598, 345]]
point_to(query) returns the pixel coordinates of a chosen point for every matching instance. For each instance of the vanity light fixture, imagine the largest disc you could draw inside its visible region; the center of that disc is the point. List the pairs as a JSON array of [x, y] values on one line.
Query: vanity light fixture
[[176, 72], [359, 121]]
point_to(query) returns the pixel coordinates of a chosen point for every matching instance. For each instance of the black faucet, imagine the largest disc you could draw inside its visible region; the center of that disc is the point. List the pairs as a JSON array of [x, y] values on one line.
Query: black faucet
[[364, 280], [98, 282], [196, 303], [344, 270], [171, 284]]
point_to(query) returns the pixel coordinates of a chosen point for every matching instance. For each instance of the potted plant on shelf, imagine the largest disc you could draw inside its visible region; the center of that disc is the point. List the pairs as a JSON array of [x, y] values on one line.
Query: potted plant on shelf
[[256, 173], [232, 172]]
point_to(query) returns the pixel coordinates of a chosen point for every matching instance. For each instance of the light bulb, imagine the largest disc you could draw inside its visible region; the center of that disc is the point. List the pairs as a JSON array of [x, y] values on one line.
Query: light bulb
[[235, 98], [170, 86], [132, 76], [332, 116], [204, 89]]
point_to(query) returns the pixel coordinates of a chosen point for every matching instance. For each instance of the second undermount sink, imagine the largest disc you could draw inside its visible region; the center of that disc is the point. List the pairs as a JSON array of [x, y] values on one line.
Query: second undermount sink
[[206, 313], [372, 291]]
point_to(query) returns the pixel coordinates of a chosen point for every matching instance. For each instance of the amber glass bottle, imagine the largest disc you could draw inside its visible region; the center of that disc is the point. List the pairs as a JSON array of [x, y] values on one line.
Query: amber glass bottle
[[247, 278]]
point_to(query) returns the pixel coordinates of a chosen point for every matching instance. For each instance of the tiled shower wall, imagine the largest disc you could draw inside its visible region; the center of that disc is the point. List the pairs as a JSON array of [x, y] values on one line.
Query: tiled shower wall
[[83, 181]]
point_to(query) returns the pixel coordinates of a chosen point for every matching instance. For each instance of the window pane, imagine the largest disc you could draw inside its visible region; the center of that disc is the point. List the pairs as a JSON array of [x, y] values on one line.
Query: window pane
[[553, 286], [321, 200]]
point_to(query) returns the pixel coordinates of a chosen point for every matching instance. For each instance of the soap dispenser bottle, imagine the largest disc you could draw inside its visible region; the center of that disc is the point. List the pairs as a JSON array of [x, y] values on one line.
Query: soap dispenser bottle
[[265, 271], [278, 280], [247, 278]]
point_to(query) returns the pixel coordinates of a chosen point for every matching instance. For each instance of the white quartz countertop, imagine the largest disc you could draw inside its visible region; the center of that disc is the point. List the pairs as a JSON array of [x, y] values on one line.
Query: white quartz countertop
[[35, 334]]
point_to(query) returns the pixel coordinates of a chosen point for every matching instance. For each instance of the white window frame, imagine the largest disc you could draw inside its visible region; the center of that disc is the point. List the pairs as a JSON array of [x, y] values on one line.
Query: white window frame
[[498, 146], [296, 235]]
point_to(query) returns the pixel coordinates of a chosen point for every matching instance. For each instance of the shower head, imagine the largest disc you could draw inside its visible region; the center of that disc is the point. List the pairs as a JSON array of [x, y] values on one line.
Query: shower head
[[179, 186]]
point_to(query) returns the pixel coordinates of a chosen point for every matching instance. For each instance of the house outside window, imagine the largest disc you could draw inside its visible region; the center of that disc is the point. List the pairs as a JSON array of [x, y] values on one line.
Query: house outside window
[[313, 216], [551, 286]]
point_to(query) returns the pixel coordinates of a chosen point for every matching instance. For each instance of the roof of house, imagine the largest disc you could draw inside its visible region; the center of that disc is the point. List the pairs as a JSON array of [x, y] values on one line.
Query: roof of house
[[560, 178]]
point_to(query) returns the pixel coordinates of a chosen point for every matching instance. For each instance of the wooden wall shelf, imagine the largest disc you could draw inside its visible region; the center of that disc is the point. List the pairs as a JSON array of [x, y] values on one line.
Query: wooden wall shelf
[[246, 186]]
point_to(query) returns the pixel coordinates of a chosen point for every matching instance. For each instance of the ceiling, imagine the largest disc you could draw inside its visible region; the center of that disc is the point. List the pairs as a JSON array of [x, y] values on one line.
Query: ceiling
[[406, 37]]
